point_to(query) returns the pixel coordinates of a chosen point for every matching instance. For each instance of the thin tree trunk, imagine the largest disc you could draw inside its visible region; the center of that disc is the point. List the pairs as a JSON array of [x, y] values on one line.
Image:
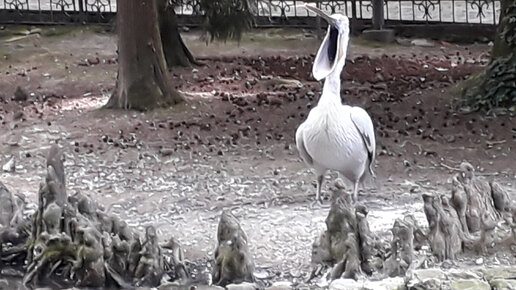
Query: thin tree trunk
[[142, 81], [176, 52]]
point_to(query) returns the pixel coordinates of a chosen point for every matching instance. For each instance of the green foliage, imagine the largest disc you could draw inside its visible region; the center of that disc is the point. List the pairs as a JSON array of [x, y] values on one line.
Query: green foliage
[[223, 19], [227, 19], [496, 87], [508, 33]]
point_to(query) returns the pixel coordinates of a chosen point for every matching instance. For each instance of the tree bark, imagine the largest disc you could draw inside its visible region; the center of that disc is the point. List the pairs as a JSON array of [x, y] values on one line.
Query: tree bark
[[496, 86], [142, 82], [176, 52], [501, 47]]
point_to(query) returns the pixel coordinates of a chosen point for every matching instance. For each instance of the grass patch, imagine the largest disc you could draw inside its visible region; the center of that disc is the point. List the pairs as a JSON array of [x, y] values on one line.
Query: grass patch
[[51, 31], [71, 29], [371, 44]]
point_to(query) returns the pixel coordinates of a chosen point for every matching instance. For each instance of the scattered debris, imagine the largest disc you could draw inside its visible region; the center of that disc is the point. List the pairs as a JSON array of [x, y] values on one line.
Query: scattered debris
[[9, 166], [20, 95], [422, 42]]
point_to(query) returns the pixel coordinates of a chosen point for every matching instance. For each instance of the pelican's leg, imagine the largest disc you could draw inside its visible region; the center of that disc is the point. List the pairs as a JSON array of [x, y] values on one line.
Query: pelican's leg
[[355, 192], [318, 196]]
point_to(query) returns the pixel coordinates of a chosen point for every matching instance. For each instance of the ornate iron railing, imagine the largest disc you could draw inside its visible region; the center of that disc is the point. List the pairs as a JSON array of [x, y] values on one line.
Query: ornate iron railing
[[97, 6], [448, 11], [269, 12], [60, 5], [56, 11]]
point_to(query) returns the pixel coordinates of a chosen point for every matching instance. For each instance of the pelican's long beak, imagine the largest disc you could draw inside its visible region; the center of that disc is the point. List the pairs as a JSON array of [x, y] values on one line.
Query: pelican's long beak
[[331, 51], [322, 14]]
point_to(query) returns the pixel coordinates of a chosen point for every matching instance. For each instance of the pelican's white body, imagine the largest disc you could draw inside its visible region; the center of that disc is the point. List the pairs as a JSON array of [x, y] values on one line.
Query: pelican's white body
[[333, 142], [336, 136]]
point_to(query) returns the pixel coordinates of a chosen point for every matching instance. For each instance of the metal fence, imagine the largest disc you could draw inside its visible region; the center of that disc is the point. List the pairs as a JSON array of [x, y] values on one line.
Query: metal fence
[[269, 13], [56, 11], [448, 11]]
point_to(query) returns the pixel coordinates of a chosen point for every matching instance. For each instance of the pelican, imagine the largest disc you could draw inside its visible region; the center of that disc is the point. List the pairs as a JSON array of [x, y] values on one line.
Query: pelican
[[336, 136]]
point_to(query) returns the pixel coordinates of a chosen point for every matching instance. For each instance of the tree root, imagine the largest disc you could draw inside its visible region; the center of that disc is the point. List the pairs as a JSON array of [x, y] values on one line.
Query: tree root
[[469, 218], [233, 261], [71, 242]]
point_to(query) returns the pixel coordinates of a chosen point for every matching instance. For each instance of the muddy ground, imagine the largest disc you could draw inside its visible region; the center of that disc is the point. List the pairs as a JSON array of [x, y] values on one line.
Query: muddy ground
[[231, 144]]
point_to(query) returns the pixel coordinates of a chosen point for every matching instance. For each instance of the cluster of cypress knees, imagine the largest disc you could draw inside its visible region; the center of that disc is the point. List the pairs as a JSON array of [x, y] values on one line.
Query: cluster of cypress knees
[[71, 240]]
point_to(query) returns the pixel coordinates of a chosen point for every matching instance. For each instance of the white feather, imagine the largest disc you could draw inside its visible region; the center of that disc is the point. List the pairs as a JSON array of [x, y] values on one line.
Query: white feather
[[332, 138]]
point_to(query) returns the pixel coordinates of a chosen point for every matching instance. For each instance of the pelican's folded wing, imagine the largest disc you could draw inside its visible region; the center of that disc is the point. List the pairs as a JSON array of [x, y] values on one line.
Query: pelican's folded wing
[[364, 125], [300, 143]]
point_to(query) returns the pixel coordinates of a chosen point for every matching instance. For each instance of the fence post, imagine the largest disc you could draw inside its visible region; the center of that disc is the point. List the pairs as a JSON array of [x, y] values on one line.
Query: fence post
[[320, 31], [378, 17], [378, 33], [354, 19], [82, 11]]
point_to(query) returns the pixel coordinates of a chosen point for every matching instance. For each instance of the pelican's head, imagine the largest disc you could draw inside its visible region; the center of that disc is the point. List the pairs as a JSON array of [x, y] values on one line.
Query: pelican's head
[[332, 53]]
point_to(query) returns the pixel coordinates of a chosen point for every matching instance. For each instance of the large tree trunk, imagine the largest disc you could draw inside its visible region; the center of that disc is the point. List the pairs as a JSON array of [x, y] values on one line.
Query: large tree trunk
[[176, 52], [501, 48], [142, 82], [496, 86]]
